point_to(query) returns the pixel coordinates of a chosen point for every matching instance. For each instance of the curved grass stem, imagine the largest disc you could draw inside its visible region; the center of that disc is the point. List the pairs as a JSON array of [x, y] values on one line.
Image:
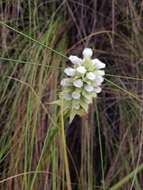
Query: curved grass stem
[[32, 39], [127, 178]]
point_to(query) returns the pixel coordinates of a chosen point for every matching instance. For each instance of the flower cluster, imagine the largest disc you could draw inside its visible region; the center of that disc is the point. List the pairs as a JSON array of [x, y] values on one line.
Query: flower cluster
[[82, 83]]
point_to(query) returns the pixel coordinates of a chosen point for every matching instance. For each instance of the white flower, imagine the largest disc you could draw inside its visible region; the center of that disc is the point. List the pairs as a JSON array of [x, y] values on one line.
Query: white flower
[[97, 89], [89, 88], [76, 95], [67, 96], [98, 80], [66, 82], [81, 69], [98, 64], [69, 71], [87, 52], [100, 72], [75, 59], [90, 76], [78, 83]]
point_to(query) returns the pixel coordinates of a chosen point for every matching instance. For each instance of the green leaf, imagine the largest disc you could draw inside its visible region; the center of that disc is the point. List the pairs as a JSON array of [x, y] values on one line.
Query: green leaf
[[86, 94], [66, 105], [94, 95], [73, 113], [87, 81], [58, 102], [84, 104], [68, 89]]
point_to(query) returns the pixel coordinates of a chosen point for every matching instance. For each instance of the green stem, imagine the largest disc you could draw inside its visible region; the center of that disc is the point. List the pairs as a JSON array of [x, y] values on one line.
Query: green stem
[[124, 90], [65, 151], [30, 38], [101, 150], [127, 178]]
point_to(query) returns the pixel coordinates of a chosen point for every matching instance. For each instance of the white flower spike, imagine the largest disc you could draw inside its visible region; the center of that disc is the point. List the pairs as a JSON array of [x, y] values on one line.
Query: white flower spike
[[89, 88], [78, 83], [87, 52], [66, 82], [90, 76], [82, 84], [100, 72], [98, 80], [97, 90], [76, 95], [69, 71], [81, 69], [75, 60], [98, 64]]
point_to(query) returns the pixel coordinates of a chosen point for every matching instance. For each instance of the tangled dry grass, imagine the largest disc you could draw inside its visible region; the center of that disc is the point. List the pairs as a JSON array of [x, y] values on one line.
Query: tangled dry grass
[[102, 150]]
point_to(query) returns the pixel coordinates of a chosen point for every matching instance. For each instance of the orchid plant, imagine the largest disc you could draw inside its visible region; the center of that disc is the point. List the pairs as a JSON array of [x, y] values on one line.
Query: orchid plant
[[82, 83]]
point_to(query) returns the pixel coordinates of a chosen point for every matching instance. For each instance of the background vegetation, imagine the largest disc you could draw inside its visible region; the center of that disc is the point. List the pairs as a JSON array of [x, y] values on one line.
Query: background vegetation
[[38, 149]]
